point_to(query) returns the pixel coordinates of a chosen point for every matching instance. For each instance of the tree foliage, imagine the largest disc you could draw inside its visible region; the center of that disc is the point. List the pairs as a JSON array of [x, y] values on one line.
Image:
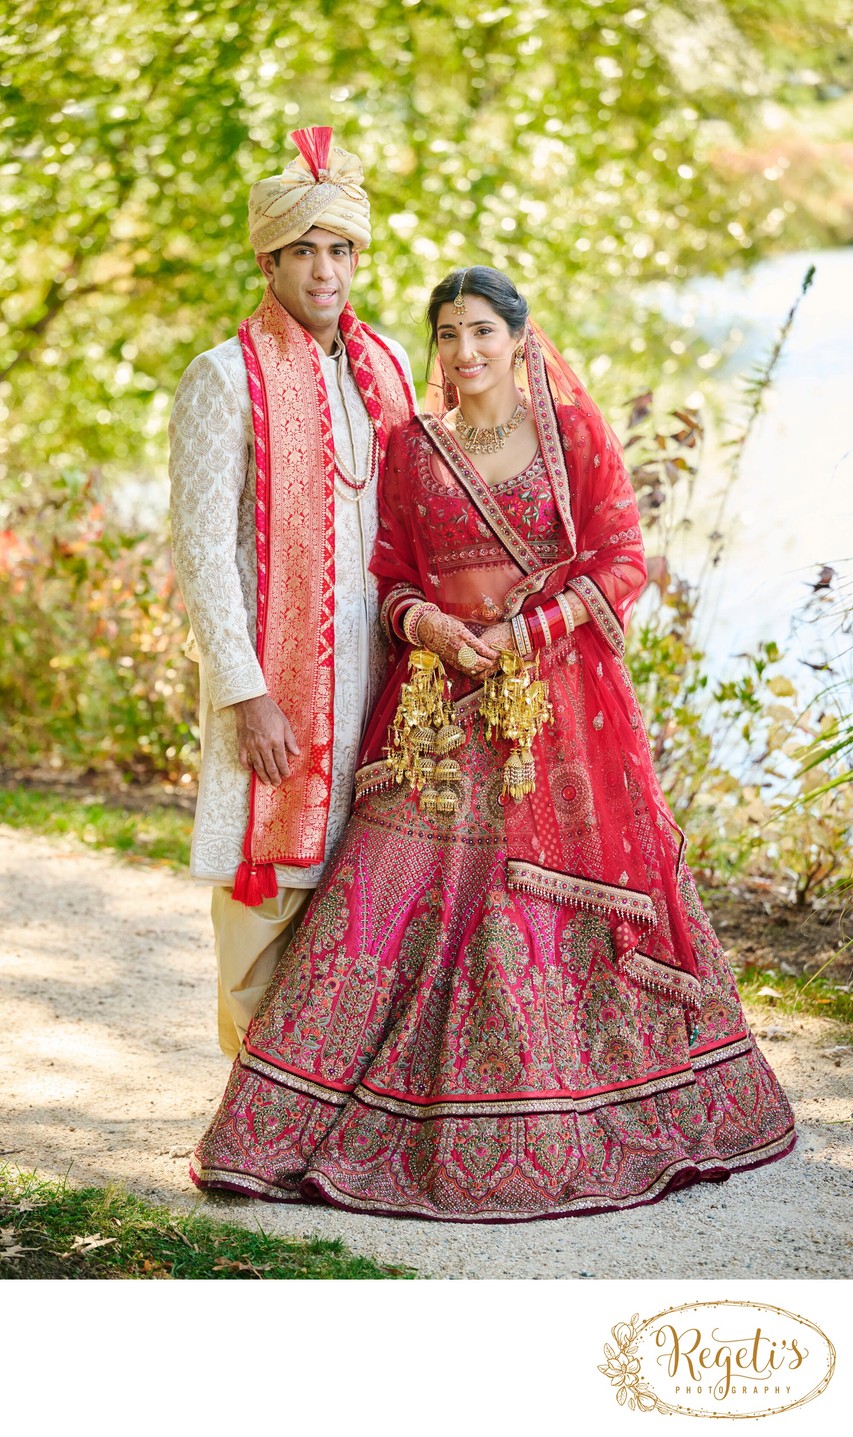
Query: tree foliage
[[587, 148]]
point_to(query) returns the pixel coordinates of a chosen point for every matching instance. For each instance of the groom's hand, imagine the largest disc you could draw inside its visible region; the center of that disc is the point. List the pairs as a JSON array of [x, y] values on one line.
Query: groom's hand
[[264, 739]]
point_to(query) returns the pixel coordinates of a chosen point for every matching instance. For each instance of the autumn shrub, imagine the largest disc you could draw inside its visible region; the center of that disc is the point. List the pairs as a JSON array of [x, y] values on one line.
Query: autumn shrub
[[759, 778], [92, 673]]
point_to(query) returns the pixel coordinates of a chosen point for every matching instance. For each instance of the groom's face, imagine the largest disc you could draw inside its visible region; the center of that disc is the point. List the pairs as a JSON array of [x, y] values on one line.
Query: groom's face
[[312, 280]]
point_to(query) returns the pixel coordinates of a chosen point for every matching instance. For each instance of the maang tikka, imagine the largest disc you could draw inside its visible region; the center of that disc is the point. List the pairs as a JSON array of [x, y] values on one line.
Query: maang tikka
[[459, 301]]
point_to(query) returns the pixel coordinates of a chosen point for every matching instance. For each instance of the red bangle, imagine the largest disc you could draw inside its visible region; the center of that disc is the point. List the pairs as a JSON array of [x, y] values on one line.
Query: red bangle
[[397, 616], [398, 611], [556, 620], [547, 624], [534, 629]]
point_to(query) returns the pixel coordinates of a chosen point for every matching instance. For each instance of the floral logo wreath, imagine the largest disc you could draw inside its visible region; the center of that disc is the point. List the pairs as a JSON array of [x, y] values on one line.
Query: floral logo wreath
[[623, 1369]]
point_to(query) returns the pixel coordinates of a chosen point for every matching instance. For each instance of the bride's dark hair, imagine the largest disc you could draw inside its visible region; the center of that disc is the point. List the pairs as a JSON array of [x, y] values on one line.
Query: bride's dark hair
[[487, 283]]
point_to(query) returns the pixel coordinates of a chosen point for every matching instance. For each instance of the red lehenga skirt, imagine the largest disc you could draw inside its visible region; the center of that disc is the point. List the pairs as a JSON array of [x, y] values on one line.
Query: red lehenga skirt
[[437, 1045]]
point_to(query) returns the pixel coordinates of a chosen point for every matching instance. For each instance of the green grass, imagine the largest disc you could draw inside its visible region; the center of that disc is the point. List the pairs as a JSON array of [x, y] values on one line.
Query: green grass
[[156, 835], [799, 995], [51, 1230]]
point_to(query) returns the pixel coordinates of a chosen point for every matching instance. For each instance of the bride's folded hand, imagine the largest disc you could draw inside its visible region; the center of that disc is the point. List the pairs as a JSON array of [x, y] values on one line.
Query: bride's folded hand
[[500, 638], [455, 644]]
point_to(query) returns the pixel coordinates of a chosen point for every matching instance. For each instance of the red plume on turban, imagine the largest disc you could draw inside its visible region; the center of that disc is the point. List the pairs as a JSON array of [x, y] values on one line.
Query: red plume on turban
[[322, 186], [313, 145]]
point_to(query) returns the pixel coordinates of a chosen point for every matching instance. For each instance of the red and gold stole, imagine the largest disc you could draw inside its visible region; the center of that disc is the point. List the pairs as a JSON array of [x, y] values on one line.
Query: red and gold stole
[[295, 540]]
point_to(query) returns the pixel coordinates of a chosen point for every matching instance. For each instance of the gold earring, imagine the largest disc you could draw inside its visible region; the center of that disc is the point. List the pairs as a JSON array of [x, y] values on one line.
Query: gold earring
[[518, 357]]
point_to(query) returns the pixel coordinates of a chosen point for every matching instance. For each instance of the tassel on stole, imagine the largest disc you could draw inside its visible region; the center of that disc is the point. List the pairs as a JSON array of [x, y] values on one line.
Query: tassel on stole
[[253, 882]]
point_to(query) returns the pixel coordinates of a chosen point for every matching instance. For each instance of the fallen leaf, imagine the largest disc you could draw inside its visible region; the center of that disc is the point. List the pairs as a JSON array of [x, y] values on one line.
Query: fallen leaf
[[88, 1244], [183, 1237], [223, 1265], [156, 1269], [9, 1253]]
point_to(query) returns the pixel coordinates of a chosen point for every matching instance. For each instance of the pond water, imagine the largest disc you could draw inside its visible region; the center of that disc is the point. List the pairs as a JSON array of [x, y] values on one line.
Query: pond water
[[790, 510]]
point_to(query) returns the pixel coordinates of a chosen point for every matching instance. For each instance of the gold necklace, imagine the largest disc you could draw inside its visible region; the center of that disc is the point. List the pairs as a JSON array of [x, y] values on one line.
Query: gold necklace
[[479, 440]]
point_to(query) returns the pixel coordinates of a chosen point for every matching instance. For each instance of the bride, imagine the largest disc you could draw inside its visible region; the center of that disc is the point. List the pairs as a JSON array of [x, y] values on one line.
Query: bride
[[505, 1001]]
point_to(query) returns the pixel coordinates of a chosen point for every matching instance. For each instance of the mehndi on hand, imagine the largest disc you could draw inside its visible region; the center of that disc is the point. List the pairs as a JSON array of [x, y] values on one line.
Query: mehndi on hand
[[449, 638]]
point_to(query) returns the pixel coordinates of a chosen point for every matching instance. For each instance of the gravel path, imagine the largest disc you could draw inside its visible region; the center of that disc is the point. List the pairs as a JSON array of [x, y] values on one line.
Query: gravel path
[[110, 1072]]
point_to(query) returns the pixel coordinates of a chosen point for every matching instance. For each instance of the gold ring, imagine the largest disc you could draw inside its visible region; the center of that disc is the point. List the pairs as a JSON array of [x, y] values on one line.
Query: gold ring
[[467, 658]]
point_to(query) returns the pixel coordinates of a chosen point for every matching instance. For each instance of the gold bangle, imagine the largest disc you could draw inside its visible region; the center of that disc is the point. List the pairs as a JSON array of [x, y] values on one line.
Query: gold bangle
[[521, 633], [567, 612], [546, 632], [412, 618]]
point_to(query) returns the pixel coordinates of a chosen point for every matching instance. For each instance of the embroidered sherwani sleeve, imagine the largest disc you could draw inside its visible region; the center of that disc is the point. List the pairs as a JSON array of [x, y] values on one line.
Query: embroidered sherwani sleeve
[[208, 469]]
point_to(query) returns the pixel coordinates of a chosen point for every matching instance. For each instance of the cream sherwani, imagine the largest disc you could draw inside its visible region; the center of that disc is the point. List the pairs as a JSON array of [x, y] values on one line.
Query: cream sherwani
[[212, 470]]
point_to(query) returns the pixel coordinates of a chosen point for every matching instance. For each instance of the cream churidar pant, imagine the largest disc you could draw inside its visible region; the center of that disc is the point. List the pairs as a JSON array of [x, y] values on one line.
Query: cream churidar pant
[[249, 943]]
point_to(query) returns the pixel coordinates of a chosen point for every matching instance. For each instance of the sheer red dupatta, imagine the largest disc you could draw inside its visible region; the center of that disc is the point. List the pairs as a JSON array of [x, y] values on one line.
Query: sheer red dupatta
[[597, 833]]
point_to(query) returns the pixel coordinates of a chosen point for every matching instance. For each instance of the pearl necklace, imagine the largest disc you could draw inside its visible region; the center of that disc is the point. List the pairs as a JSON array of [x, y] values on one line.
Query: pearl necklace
[[350, 485], [479, 440]]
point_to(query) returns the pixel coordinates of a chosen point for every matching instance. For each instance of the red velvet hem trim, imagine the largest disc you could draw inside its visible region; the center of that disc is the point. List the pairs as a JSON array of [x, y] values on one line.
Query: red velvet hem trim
[[316, 1187]]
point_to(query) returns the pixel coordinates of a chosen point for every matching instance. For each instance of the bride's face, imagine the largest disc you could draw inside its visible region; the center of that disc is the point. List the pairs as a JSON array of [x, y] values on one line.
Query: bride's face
[[475, 348]]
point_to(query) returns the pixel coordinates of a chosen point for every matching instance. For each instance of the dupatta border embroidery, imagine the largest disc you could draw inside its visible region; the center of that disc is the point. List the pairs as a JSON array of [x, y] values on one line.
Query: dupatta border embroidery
[[578, 892], [550, 438], [658, 977], [588, 591], [372, 777], [531, 585]]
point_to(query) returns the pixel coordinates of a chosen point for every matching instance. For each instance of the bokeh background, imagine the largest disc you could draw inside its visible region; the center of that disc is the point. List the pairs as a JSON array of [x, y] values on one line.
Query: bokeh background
[[671, 184]]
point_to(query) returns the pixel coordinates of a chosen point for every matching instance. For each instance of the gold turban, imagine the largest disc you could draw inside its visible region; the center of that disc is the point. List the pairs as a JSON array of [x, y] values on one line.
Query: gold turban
[[321, 187]]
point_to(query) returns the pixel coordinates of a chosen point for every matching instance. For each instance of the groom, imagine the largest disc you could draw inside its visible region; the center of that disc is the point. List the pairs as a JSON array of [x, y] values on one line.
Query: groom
[[277, 440]]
